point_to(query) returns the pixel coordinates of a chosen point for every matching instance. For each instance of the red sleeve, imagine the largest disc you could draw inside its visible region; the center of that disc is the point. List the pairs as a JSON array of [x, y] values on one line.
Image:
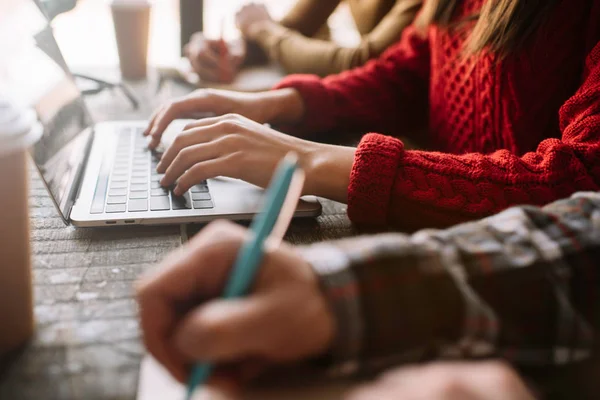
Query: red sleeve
[[420, 188], [369, 97]]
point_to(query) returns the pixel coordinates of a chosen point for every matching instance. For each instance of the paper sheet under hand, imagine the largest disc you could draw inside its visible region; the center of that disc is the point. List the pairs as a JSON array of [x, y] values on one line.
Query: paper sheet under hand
[[155, 383]]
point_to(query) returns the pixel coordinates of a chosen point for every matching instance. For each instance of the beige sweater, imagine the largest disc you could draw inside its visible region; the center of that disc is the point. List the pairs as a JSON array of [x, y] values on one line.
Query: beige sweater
[[294, 43]]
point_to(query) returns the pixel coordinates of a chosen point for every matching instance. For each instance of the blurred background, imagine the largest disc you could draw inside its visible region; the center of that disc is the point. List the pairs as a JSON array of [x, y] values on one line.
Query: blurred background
[[95, 45]]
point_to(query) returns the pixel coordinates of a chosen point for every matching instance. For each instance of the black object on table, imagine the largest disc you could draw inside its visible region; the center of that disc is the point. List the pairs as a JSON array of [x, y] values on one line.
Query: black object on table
[[191, 18]]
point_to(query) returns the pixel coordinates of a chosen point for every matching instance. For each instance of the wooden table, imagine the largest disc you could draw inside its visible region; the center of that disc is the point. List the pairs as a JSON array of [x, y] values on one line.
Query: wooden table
[[87, 344]]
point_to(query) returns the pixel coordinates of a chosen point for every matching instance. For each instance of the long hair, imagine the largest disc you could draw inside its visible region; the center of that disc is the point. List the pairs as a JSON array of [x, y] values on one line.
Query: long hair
[[501, 26]]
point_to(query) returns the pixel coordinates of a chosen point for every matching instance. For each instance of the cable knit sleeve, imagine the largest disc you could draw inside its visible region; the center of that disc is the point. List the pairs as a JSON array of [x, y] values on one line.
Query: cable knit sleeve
[[438, 189], [387, 95]]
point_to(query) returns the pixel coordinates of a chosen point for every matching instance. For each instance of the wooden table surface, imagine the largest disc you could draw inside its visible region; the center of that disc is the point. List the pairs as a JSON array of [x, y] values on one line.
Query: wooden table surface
[[87, 344]]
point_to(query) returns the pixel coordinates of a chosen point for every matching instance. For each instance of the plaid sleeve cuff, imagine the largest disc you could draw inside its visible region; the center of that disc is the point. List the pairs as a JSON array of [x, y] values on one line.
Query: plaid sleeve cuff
[[341, 289]]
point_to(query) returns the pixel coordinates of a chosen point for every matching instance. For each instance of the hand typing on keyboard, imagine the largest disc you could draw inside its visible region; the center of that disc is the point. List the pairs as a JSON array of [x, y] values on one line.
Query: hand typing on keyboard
[[237, 147], [261, 107]]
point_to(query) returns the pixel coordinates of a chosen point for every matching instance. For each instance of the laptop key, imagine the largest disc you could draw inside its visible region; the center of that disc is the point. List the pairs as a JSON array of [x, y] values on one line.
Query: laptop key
[[200, 196], [116, 200], [119, 175], [181, 202], [199, 189], [138, 205], [118, 185], [117, 192], [203, 204], [139, 181], [122, 168], [159, 192], [155, 185], [139, 187], [160, 203], [138, 195], [115, 208]]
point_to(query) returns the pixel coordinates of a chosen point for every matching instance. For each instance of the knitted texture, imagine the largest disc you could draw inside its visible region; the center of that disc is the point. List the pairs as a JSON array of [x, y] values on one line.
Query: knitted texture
[[521, 130]]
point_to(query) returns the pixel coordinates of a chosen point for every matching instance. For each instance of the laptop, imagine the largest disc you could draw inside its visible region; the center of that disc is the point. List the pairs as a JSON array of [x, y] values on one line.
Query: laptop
[[103, 174]]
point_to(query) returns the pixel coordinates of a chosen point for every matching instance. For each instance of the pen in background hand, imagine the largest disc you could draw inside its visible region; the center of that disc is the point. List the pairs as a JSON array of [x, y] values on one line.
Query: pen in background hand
[[224, 74], [267, 231]]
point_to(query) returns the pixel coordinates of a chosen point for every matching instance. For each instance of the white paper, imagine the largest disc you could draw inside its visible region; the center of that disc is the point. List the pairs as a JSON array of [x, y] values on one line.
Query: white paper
[[156, 384]]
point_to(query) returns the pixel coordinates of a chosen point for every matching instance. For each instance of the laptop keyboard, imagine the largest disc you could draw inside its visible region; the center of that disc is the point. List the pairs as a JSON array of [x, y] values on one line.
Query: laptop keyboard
[[131, 184]]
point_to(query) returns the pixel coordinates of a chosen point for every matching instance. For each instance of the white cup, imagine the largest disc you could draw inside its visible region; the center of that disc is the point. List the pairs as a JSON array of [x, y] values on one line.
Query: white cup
[[131, 19], [18, 131]]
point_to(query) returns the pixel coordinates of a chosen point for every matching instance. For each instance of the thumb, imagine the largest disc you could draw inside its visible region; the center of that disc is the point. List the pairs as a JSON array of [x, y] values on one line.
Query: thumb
[[224, 330]]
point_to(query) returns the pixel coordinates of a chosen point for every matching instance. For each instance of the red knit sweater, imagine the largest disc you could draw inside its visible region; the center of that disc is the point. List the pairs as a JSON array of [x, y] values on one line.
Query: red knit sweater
[[524, 130]]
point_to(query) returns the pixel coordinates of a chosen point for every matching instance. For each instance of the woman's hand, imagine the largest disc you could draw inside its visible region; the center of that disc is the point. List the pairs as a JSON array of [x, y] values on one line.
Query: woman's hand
[[237, 147], [277, 106], [250, 18], [184, 321], [215, 60], [447, 381]]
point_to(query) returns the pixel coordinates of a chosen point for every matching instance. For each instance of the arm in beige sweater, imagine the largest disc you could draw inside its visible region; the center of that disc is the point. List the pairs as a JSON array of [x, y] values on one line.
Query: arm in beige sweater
[[308, 17], [298, 53]]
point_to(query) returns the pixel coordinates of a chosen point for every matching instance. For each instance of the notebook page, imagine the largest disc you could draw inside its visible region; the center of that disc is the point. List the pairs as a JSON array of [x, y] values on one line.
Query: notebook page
[[155, 383]]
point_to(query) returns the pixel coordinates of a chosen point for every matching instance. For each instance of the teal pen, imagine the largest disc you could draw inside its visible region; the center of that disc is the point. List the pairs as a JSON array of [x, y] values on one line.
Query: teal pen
[[267, 229]]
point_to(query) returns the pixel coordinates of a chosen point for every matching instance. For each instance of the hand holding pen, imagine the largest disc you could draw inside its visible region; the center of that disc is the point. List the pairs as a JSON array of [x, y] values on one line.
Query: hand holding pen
[[186, 321], [215, 60], [225, 70]]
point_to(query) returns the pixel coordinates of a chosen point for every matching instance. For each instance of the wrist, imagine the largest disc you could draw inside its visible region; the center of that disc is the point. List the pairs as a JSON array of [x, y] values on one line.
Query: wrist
[[283, 106], [328, 169], [259, 28]]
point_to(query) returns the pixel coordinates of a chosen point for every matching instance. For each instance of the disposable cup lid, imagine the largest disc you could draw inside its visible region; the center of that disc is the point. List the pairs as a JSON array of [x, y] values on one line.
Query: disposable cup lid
[[130, 3], [19, 128]]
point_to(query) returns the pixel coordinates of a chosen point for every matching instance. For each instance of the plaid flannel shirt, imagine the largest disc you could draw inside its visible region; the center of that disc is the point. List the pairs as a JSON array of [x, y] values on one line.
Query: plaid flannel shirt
[[523, 285]]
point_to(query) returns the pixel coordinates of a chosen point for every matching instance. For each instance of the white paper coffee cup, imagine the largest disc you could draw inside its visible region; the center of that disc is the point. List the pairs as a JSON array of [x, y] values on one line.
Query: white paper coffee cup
[[131, 20], [18, 131]]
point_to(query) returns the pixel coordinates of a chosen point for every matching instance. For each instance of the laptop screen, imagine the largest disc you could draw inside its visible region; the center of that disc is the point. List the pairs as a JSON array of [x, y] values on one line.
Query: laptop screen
[[33, 74]]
